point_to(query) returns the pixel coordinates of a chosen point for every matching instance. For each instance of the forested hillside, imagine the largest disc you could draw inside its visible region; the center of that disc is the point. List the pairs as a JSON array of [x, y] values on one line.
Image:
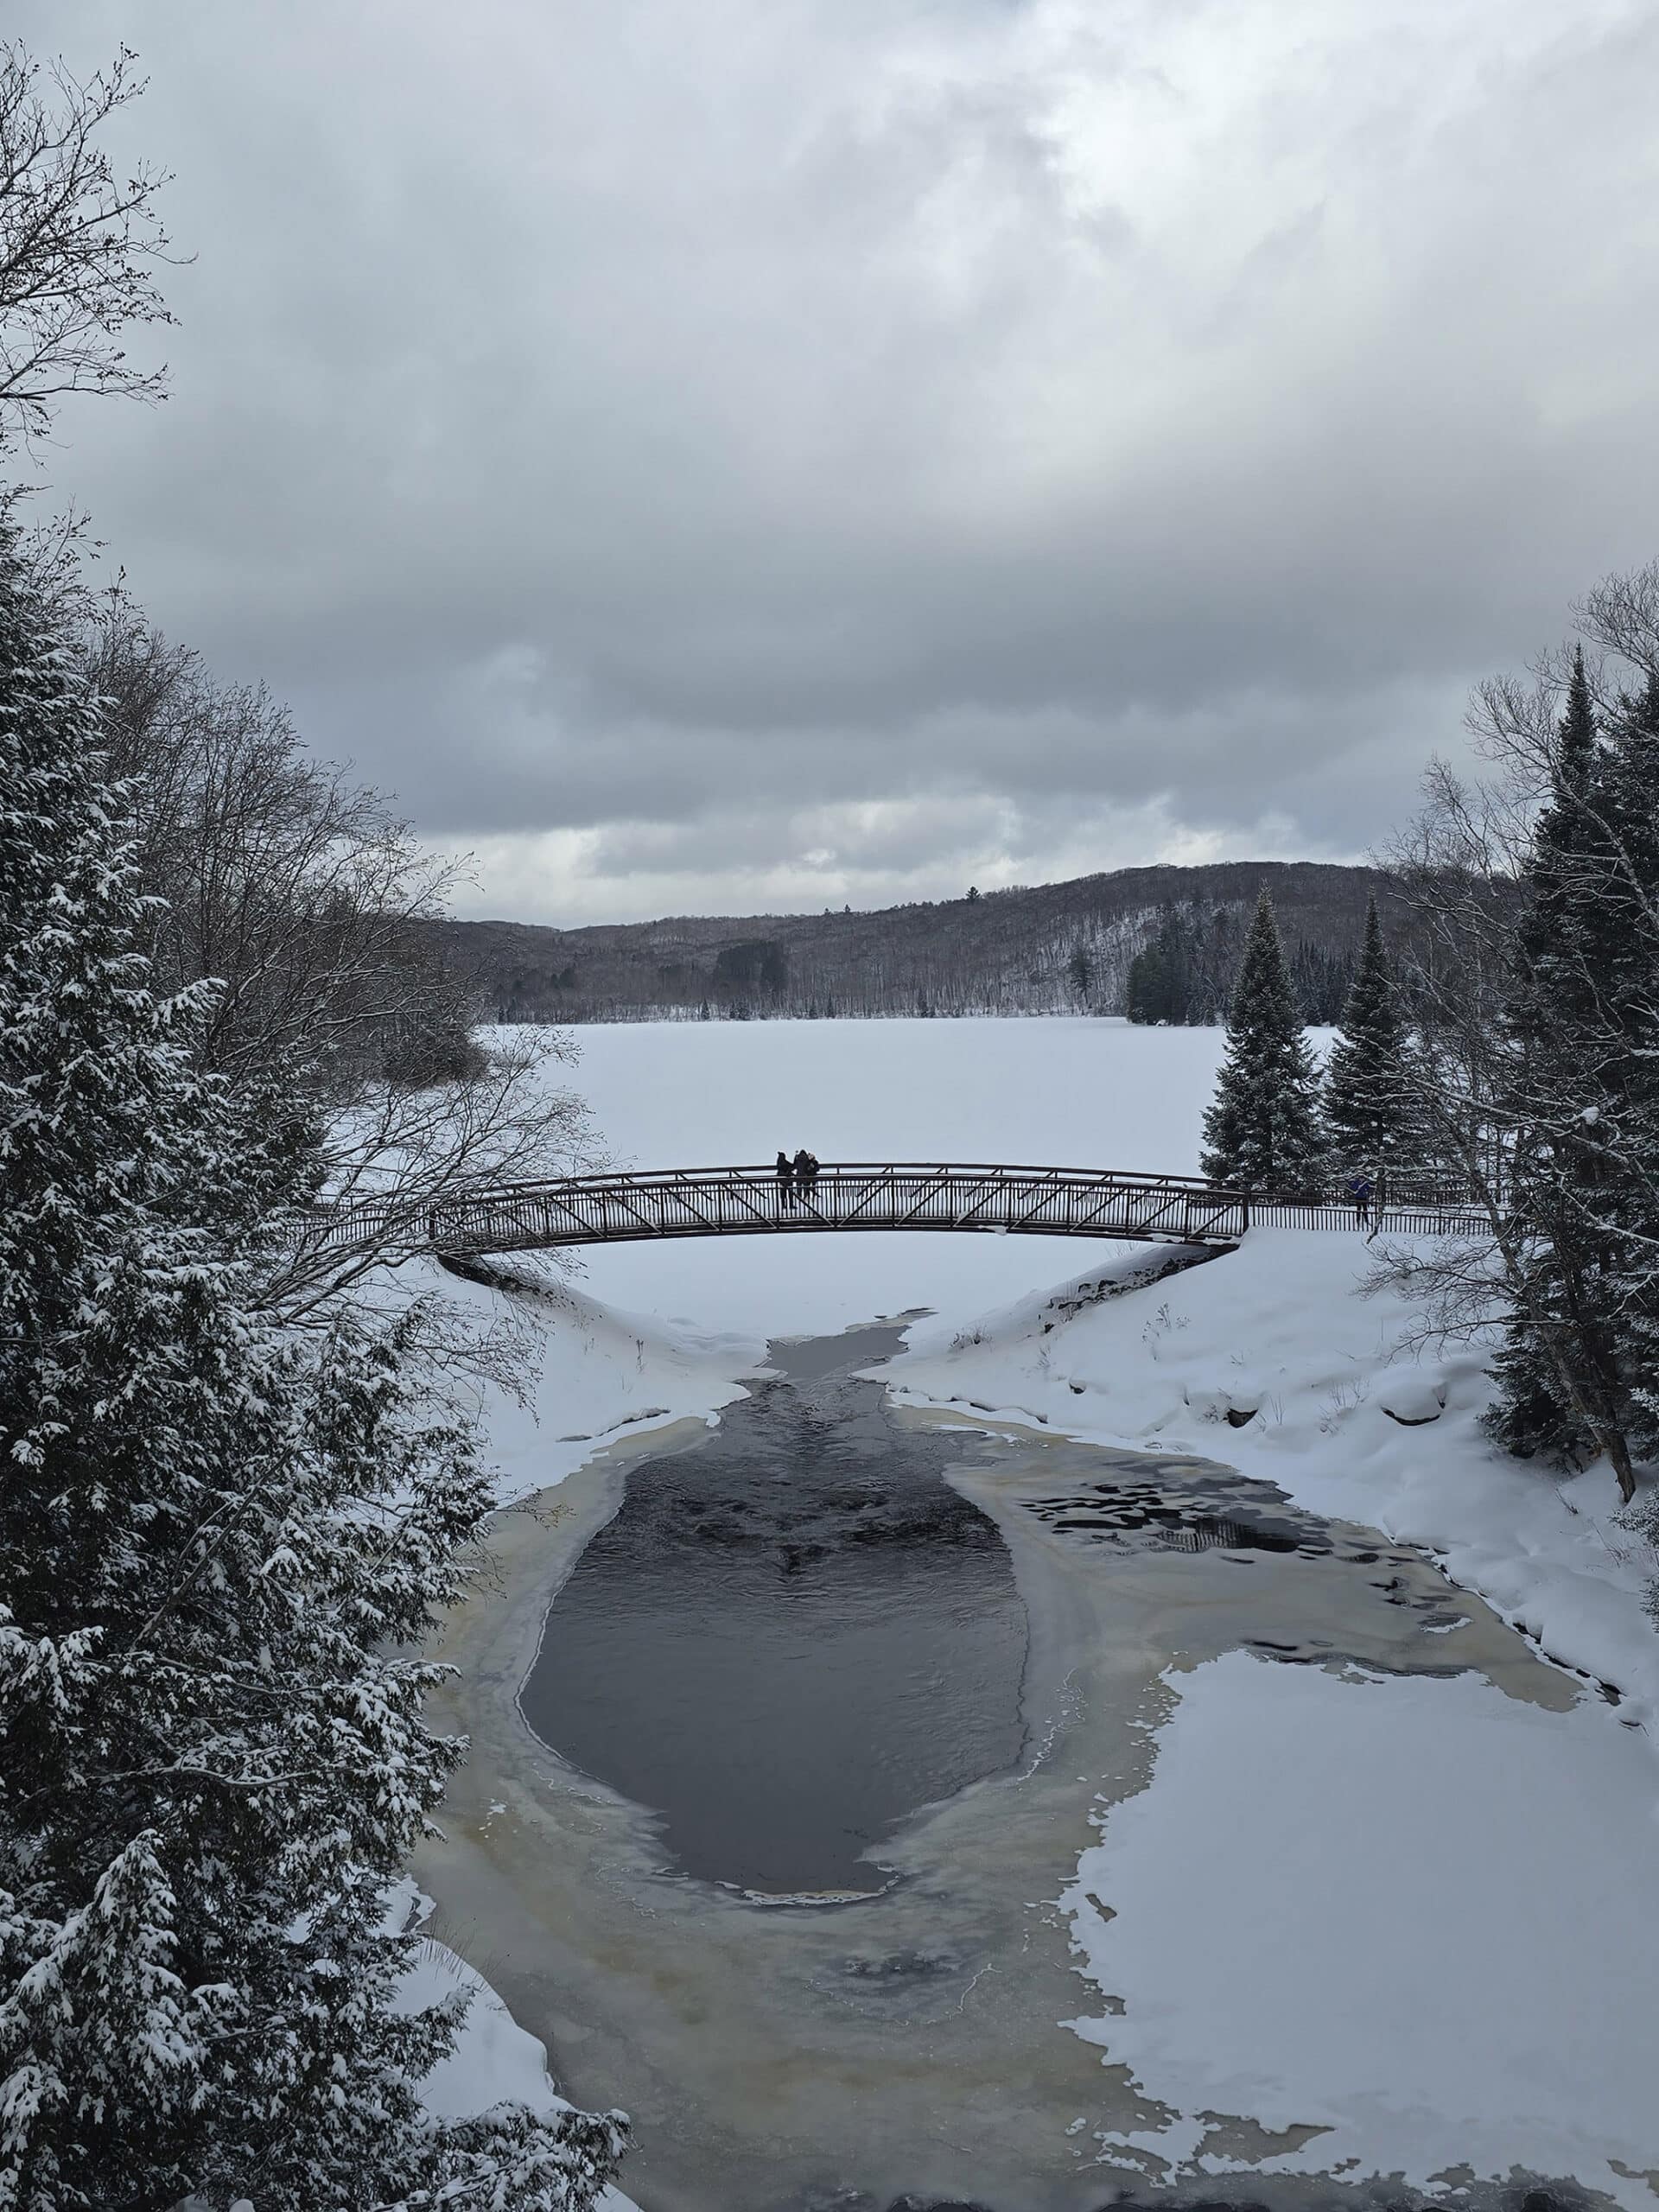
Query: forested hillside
[[1053, 948]]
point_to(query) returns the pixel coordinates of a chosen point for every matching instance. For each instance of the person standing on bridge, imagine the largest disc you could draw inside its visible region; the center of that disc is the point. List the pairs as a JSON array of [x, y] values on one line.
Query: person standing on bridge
[[786, 1183], [811, 1174], [1360, 1191], [802, 1176]]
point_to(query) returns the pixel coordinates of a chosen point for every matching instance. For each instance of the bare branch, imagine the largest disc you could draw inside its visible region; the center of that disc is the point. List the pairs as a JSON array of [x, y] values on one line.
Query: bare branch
[[78, 242]]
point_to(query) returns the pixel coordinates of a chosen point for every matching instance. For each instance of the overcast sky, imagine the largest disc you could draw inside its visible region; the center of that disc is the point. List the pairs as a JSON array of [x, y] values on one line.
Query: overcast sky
[[776, 453]]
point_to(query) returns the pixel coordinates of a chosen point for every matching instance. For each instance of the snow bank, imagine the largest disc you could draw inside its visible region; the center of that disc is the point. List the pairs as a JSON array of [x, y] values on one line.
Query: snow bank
[[495, 2061], [1270, 1360], [1263, 1910], [589, 1374], [1471, 1989]]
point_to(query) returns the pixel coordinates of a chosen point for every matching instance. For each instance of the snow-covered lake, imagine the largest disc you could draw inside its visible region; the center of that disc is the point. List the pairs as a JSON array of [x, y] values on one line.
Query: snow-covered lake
[[1066, 1092], [1372, 1904]]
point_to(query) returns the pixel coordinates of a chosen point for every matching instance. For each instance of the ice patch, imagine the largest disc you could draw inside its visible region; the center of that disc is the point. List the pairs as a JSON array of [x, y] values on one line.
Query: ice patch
[[1468, 1973]]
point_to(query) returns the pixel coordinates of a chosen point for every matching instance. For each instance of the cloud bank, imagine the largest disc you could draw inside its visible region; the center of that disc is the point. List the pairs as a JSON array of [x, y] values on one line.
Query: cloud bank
[[704, 457]]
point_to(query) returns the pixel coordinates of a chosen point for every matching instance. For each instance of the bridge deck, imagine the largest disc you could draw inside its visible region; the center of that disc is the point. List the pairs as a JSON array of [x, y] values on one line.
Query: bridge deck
[[626, 1207]]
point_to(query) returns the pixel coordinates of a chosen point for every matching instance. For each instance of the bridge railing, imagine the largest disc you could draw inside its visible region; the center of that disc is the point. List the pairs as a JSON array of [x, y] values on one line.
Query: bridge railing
[[630, 1205]]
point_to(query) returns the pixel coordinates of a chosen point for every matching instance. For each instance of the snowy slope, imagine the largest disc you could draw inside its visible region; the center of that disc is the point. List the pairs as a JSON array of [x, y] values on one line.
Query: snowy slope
[[1281, 1331]]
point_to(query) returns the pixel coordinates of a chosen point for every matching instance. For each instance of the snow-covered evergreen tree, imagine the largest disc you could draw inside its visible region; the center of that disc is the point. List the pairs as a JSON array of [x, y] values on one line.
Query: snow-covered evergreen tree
[[1577, 1375], [1627, 1186], [219, 1549], [1557, 1388], [1370, 1119], [1263, 1129]]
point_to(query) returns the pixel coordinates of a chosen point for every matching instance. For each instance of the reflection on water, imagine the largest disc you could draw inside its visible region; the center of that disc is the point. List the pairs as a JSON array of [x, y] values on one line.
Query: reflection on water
[[790, 1638]]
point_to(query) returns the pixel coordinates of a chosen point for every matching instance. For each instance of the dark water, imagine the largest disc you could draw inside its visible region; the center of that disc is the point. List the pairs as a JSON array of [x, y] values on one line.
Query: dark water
[[792, 1636]]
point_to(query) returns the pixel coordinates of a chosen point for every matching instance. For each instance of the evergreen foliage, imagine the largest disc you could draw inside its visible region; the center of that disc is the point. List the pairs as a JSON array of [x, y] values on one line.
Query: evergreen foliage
[[1626, 1184], [1161, 983], [1189, 971], [220, 1546], [1322, 981], [1263, 1129], [1370, 1119], [761, 964], [1577, 1373], [1541, 1403]]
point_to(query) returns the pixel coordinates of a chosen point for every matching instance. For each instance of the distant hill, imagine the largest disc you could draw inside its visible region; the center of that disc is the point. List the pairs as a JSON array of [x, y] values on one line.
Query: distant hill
[[1054, 948]]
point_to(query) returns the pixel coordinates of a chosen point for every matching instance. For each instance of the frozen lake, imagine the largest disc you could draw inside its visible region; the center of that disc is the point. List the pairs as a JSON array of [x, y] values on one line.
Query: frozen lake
[[1062, 1092]]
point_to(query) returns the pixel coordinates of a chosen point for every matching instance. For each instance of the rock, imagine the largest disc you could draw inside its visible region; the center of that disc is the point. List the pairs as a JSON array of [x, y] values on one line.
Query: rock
[[1413, 1400], [1236, 1406]]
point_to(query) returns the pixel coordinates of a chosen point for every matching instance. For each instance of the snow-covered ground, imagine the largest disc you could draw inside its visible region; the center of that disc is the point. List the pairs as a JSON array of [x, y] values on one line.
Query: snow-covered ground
[[1295, 1821], [495, 2061], [1402, 1912], [1343, 1418], [1061, 1093]]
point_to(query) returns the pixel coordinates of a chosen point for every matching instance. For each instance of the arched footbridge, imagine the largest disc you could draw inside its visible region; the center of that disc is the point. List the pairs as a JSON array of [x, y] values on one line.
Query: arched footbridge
[[631, 1207]]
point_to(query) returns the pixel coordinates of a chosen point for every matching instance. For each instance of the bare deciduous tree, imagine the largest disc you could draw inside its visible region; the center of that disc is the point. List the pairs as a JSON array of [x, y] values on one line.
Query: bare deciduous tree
[[79, 241], [311, 903], [299, 890]]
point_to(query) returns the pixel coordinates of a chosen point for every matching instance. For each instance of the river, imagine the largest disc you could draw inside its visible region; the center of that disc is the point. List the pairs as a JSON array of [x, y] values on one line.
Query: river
[[785, 1734]]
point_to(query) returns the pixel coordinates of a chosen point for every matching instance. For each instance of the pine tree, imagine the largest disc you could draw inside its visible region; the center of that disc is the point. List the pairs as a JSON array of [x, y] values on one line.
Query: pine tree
[[1579, 1021], [1628, 1191], [1263, 1129], [1553, 958], [219, 1550], [1370, 1118]]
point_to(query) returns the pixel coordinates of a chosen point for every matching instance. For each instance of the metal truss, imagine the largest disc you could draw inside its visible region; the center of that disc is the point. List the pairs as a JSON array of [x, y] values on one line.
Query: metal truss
[[991, 1200]]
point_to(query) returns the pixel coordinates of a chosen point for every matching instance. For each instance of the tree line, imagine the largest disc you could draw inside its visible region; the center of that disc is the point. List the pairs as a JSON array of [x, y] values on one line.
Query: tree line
[[240, 1478], [1187, 971], [1160, 944]]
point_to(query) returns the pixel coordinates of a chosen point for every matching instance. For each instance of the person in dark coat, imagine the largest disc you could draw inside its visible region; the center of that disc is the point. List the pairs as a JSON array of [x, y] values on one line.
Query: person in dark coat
[[786, 1182]]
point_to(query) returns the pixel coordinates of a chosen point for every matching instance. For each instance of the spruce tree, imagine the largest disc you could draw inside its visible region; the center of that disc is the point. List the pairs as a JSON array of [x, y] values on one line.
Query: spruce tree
[[219, 1549], [1556, 938], [1370, 1120], [1580, 1022], [1262, 1131], [1627, 1186]]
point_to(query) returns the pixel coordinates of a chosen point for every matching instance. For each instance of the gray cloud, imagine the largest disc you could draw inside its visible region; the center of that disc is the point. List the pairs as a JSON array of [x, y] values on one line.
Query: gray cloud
[[825, 448]]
